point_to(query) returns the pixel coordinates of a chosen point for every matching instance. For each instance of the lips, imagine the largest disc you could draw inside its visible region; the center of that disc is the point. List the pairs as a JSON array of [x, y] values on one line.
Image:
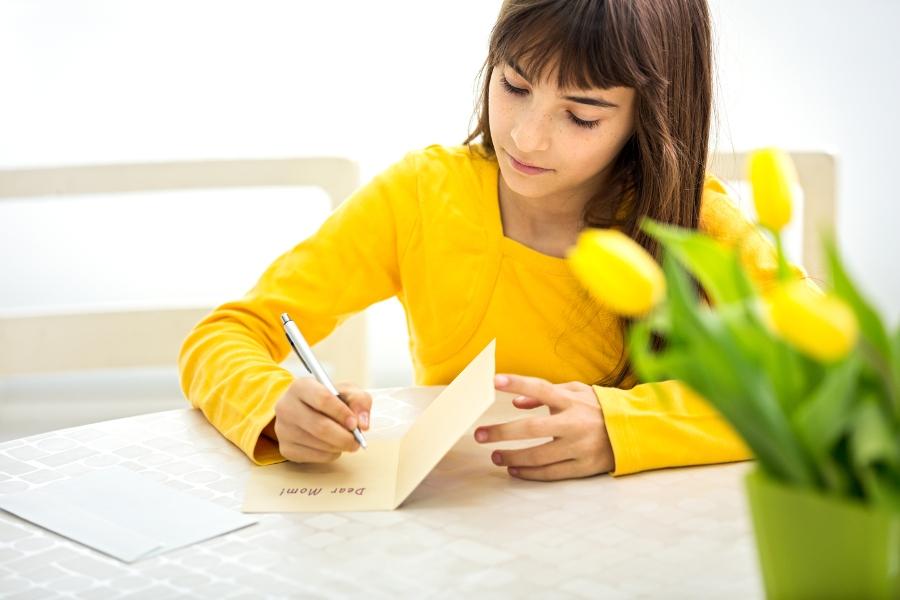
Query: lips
[[525, 167], [522, 162]]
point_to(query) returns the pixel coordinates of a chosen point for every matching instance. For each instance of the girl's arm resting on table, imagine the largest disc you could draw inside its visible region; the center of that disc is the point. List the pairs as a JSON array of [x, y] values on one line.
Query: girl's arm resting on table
[[665, 424], [593, 429], [229, 363], [234, 380]]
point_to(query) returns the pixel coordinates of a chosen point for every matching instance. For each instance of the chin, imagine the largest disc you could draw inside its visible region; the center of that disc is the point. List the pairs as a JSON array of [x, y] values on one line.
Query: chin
[[521, 185]]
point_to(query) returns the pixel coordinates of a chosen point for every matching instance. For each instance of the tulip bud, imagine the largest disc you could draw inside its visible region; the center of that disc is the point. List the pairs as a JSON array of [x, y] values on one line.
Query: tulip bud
[[820, 325], [773, 179], [617, 271]]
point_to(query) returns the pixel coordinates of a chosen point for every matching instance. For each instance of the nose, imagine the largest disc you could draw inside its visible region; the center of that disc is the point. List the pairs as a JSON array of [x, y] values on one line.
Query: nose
[[531, 131]]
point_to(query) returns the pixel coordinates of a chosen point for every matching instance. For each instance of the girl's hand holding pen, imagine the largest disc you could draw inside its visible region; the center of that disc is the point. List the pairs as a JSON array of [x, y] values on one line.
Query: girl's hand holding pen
[[313, 426], [580, 446], [314, 419]]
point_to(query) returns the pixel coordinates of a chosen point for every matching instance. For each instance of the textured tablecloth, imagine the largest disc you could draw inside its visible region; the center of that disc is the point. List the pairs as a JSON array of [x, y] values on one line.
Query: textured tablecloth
[[467, 530]]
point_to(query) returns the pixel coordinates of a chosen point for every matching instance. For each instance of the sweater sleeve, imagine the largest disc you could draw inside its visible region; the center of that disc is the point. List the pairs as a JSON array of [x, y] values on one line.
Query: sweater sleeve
[[667, 424], [229, 362]]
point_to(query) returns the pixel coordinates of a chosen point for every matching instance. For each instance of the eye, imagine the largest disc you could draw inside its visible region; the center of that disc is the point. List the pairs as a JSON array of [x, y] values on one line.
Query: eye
[[511, 88], [583, 123], [516, 91]]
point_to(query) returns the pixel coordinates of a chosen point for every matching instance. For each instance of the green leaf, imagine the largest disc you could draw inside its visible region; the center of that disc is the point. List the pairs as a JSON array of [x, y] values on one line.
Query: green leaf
[[895, 372], [826, 414], [647, 365], [870, 323], [788, 370], [706, 259], [710, 384], [881, 486], [683, 300], [704, 354], [792, 373], [874, 439], [782, 374], [824, 418], [838, 479], [877, 344], [895, 347]]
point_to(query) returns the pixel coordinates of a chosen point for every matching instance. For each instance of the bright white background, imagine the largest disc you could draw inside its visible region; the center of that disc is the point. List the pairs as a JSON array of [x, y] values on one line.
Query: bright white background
[[84, 81]]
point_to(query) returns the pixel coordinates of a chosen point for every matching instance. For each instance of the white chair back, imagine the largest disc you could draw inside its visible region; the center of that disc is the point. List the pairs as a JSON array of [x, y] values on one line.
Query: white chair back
[[67, 341]]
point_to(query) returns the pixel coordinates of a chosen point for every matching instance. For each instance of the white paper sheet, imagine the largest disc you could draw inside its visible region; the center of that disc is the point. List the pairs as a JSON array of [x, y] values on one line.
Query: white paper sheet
[[123, 514]]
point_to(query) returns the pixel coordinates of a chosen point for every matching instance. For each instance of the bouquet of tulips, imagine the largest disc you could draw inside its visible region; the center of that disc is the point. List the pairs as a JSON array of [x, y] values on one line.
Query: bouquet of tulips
[[810, 379]]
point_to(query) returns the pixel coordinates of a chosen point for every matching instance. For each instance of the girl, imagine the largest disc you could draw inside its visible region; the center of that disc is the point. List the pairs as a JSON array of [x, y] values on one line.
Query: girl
[[594, 113]]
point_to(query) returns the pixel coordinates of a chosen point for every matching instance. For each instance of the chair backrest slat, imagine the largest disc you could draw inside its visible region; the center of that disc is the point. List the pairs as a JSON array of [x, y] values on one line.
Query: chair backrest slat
[[79, 340]]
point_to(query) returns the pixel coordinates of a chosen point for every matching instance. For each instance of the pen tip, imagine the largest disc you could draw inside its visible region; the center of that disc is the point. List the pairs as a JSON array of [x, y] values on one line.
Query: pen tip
[[285, 318]]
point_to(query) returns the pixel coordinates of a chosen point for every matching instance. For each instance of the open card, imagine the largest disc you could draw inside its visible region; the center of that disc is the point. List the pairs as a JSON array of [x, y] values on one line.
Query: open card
[[381, 477]]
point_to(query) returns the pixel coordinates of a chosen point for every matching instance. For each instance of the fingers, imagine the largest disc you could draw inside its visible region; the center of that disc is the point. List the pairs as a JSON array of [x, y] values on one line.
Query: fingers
[[298, 423], [314, 395], [526, 402], [305, 454], [322, 428], [579, 445], [522, 429], [533, 387], [568, 469], [293, 434], [535, 456], [359, 401]]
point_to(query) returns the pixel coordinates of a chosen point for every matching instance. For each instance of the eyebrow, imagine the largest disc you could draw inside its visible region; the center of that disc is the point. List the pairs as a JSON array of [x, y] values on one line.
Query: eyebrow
[[580, 99]]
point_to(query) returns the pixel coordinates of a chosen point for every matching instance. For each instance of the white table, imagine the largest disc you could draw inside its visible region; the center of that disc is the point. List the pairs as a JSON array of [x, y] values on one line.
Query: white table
[[467, 530]]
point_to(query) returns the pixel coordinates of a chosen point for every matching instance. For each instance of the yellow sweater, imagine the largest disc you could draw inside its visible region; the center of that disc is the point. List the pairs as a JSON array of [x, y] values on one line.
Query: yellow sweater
[[428, 231]]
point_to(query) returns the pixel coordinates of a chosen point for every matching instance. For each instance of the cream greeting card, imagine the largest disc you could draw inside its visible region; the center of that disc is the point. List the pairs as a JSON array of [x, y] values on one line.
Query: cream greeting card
[[381, 477]]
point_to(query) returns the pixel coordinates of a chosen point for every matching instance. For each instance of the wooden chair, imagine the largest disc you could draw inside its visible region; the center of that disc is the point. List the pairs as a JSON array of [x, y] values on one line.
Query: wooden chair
[[73, 341]]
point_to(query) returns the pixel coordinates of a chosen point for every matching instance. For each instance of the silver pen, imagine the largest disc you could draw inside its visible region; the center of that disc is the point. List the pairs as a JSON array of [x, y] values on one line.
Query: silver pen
[[306, 356]]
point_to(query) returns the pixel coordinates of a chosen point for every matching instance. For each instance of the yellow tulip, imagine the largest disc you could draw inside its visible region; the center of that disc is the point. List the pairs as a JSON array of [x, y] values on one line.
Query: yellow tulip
[[617, 271], [773, 180], [820, 325]]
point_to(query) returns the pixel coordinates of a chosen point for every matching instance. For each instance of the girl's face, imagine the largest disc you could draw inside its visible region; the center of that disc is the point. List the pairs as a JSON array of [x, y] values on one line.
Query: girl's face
[[552, 141]]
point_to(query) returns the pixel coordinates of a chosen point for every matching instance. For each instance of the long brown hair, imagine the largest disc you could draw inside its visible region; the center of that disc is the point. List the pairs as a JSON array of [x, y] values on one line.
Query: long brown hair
[[662, 49]]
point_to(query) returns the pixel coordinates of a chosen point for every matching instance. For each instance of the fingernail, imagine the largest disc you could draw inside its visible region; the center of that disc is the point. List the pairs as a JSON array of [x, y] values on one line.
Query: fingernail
[[497, 458], [351, 423], [513, 471], [501, 380], [364, 420], [518, 398], [481, 435]]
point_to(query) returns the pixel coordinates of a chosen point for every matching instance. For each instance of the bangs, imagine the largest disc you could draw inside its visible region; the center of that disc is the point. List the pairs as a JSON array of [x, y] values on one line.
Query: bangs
[[575, 37]]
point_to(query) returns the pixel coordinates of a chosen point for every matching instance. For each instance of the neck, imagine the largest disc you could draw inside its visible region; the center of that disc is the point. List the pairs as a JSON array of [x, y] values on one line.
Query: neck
[[548, 224]]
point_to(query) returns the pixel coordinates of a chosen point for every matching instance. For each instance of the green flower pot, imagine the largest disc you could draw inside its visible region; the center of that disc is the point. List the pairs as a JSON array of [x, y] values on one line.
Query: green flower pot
[[816, 546]]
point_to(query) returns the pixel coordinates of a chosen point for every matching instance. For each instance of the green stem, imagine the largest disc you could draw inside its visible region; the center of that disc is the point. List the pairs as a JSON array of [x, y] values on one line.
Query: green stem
[[784, 271], [881, 366]]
